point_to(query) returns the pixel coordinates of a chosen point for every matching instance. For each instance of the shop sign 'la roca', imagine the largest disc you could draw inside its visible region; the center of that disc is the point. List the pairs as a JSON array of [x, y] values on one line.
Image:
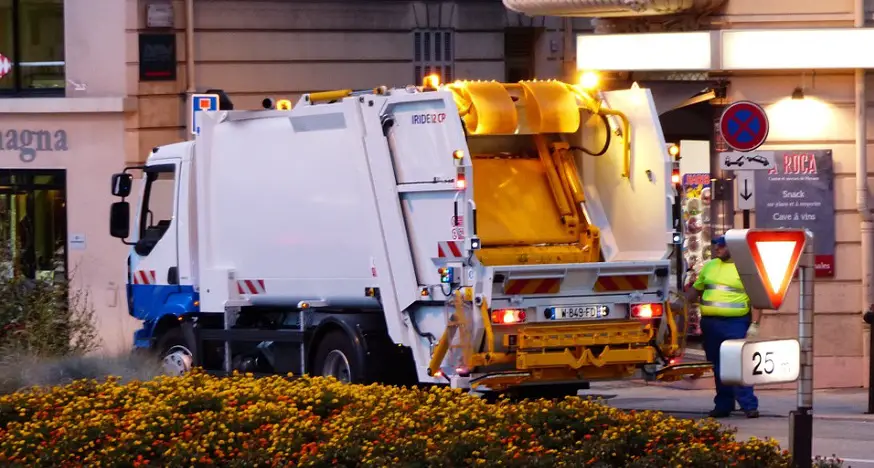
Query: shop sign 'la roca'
[[27, 143]]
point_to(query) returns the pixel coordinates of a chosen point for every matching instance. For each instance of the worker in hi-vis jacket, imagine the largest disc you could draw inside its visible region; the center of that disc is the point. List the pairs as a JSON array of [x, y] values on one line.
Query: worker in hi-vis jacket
[[725, 315]]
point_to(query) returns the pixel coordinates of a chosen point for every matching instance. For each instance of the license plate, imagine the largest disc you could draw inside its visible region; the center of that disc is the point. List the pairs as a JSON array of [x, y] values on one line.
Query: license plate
[[594, 311]]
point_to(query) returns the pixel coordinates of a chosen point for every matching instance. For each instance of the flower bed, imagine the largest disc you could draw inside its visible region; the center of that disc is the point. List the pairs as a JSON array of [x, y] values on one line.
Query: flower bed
[[241, 421]]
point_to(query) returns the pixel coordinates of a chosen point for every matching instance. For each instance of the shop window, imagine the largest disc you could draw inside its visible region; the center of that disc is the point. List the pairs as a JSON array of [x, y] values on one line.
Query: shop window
[[158, 200], [33, 224], [433, 53], [32, 47]]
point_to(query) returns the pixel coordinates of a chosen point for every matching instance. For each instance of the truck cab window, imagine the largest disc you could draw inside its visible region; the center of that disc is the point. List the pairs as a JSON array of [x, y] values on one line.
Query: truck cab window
[[158, 203]]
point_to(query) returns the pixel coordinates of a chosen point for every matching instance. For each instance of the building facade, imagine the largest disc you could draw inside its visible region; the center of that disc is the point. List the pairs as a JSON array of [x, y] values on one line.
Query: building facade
[[63, 107], [80, 99], [800, 62]]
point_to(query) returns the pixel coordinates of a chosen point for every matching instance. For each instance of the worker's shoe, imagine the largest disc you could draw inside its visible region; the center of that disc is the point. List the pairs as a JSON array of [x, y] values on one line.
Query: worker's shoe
[[719, 414], [751, 414]]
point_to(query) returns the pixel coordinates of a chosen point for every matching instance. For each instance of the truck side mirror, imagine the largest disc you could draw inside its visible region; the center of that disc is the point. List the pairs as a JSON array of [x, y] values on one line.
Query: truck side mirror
[[121, 184], [119, 220]]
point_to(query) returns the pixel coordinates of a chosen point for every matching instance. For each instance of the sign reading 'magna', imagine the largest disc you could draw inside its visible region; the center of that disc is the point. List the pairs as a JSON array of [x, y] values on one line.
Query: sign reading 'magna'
[[27, 143]]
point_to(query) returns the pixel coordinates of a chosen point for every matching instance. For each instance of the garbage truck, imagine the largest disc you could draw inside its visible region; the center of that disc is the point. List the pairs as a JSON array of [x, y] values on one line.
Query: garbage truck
[[478, 234]]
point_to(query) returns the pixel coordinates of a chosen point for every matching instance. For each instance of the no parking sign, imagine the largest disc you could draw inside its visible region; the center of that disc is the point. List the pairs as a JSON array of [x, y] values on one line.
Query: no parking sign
[[744, 125]]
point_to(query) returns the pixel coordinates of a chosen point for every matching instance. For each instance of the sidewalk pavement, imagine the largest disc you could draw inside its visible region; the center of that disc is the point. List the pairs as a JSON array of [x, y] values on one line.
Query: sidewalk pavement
[[838, 404]]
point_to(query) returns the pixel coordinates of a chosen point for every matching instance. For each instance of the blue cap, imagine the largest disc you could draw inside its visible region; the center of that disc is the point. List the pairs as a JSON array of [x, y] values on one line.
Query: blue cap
[[720, 241]]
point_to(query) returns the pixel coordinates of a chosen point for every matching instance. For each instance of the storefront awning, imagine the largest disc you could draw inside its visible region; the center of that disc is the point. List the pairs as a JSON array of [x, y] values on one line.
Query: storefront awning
[[674, 95], [728, 50], [605, 8]]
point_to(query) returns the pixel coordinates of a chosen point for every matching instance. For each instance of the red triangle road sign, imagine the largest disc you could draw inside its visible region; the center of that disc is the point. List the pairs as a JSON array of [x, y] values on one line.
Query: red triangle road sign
[[766, 260], [776, 255]]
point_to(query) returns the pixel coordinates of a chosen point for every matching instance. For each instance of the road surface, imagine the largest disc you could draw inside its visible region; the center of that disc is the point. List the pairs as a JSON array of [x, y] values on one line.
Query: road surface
[[840, 424]]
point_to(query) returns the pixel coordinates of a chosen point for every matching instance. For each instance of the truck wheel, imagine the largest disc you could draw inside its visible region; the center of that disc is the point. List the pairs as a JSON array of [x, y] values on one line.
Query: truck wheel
[[335, 357], [176, 358]]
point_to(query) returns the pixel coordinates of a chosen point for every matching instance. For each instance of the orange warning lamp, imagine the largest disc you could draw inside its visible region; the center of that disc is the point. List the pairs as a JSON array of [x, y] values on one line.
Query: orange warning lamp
[[283, 104], [589, 80], [766, 260], [432, 81]]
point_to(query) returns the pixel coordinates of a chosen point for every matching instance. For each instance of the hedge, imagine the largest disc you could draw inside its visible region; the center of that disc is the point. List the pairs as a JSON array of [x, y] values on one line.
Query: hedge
[[241, 421]]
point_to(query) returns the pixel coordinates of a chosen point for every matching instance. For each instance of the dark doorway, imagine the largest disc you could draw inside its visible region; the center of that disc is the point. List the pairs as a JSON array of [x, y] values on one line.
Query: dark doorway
[[693, 122], [693, 216], [33, 223]]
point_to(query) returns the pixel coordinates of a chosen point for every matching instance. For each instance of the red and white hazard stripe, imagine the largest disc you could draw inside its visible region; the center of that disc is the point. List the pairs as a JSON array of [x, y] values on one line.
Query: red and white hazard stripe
[[5, 66], [450, 249], [145, 277], [251, 286]]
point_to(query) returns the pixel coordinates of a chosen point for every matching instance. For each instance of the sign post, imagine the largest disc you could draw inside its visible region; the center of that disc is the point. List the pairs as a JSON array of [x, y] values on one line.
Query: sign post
[[801, 420], [745, 165], [200, 103], [868, 317], [744, 127], [766, 260]]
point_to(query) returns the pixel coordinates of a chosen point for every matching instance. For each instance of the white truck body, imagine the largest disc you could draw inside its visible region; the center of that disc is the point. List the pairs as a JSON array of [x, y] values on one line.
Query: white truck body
[[315, 207]]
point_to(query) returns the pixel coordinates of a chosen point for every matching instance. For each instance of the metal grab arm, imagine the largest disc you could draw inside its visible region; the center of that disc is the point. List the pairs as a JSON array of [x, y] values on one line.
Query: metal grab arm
[[595, 106], [559, 192], [322, 96], [487, 326], [678, 340], [626, 138], [442, 348]]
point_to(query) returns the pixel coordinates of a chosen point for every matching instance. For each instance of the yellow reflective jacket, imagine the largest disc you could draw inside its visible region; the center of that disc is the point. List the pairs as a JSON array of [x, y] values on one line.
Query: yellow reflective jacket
[[723, 292]]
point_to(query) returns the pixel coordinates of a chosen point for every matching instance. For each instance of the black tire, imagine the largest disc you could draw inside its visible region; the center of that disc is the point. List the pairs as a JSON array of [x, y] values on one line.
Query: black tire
[[333, 346], [171, 341]]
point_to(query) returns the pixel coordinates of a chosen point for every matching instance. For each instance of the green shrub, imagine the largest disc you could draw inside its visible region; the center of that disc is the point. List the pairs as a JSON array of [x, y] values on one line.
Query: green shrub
[[44, 318]]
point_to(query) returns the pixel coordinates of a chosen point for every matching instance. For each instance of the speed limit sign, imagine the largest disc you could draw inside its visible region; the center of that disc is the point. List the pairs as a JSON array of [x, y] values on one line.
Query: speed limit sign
[[759, 362]]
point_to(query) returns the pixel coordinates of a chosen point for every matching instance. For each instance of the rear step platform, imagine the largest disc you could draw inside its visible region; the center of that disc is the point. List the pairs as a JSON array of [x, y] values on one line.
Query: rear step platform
[[676, 372]]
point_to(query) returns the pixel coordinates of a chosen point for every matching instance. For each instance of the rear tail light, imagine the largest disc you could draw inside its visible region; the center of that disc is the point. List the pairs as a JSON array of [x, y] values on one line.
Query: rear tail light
[[646, 311], [508, 316], [460, 182]]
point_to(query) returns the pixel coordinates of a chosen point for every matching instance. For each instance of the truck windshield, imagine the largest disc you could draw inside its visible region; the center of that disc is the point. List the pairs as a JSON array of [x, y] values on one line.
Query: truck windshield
[[158, 200]]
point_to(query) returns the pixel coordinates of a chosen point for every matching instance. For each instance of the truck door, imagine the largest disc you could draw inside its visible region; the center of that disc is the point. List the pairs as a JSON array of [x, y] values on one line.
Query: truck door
[[155, 256]]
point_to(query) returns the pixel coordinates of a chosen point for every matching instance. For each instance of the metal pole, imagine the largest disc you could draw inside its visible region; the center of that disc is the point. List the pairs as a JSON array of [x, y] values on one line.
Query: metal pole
[[862, 201], [678, 227], [746, 219], [801, 420], [191, 86], [868, 316]]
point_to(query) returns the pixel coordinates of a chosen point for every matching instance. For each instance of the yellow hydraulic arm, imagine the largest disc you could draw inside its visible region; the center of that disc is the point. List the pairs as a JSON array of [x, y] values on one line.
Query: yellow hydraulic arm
[[480, 101]]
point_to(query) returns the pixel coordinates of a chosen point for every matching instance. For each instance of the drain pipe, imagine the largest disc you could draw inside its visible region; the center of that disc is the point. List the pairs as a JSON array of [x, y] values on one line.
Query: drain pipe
[[569, 60], [862, 197], [189, 57]]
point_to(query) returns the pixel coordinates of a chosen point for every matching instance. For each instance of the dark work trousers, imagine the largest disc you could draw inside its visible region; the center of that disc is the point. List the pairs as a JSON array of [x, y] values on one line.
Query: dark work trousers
[[714, 331]]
